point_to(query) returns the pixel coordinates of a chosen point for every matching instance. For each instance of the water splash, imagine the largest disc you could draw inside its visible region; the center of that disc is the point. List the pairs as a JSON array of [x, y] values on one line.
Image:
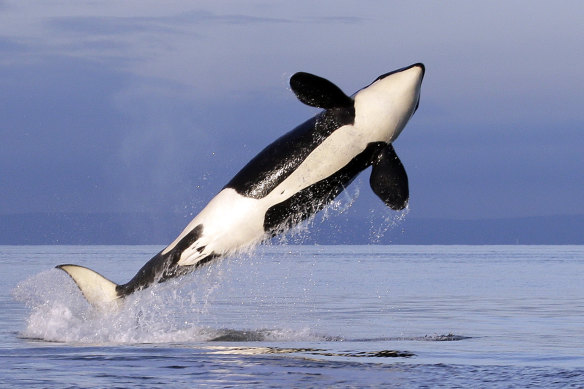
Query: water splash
[[390, 221], [301, 232], [177, 311], [341, 204]]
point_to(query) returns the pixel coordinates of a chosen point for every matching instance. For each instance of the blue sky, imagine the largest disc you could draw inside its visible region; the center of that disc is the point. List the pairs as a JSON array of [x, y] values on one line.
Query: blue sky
[[153, 106]]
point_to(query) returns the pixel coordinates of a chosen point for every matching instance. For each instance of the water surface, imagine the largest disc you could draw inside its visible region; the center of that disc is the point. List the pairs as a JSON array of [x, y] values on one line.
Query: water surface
[[400, 316]]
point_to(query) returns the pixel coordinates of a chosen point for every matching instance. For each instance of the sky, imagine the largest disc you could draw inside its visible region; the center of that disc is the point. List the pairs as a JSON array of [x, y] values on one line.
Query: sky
[[149, 106]]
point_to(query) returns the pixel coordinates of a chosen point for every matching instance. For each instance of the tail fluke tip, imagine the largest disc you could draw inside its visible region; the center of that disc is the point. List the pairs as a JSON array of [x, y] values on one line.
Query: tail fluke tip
[[97, 290]]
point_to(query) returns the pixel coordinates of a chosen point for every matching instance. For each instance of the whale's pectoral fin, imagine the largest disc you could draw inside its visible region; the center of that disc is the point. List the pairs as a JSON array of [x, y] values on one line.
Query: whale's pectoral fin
[[98, 290], [389, 179], [318, 92]]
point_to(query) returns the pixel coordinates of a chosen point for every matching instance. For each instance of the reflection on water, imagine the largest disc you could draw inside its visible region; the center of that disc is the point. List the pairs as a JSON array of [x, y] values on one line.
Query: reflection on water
[[311, 352]]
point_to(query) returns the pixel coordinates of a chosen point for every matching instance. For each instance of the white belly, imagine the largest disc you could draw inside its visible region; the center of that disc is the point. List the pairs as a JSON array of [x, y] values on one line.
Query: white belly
[[230, 222], [330, 156], [233, 222]]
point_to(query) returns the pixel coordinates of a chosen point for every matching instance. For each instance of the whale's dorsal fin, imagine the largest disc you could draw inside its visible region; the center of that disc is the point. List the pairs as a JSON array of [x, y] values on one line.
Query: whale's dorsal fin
[[318, 92], [389, 179]]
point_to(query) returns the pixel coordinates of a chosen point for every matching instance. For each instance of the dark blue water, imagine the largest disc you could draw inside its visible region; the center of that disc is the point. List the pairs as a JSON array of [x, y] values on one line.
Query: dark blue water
[[397, 316]]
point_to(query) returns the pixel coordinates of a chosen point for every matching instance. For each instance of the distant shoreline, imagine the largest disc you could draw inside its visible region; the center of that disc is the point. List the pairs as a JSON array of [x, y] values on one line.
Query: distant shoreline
[[159, 229]]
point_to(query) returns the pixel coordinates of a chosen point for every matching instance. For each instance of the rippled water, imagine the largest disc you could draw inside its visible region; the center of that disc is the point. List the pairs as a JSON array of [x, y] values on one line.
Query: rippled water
[[399, 316]]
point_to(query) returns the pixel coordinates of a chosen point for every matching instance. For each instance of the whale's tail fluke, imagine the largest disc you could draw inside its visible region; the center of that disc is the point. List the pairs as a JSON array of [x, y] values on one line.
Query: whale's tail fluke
[[105, 294], [98, 290]]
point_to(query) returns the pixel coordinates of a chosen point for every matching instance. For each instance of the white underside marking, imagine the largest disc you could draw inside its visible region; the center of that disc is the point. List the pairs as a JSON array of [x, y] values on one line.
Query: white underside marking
[[230, 222], [329, 157], [233, 222]]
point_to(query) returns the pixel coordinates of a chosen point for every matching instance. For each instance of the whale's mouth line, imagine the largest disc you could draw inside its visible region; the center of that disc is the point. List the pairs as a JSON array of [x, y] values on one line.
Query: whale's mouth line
[[419, 65]]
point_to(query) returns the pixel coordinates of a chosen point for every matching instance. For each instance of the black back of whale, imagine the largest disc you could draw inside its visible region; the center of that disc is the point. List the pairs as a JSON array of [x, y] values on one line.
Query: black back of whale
[[282, 157]]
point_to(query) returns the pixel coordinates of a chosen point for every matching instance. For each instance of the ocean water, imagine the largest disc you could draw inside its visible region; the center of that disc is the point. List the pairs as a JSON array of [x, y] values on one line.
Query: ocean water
[[301, 316]]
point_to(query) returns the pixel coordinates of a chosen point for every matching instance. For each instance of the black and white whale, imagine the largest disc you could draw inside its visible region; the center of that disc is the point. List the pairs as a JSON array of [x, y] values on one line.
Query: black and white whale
[[291, 179]]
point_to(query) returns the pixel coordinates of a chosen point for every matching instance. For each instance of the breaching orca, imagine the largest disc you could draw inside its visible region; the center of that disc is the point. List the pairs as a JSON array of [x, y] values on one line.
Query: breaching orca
[[291, 179]]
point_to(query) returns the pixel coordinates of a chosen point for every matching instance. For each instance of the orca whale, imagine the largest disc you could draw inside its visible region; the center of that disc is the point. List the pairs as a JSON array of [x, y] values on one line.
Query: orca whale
[[290, 180]]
